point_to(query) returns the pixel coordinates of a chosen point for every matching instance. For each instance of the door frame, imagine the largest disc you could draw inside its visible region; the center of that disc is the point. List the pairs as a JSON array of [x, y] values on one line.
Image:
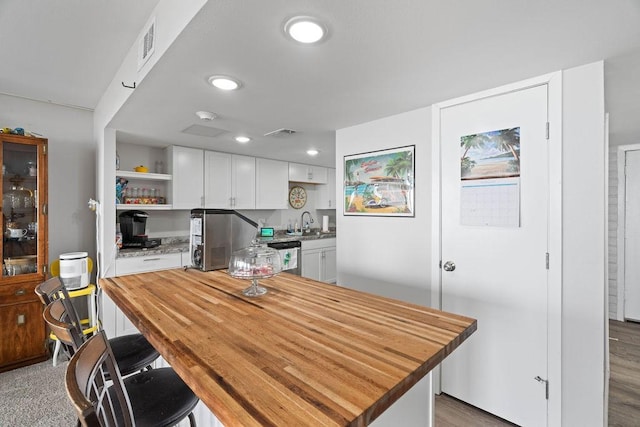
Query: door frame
[[554, 237], [621, 230]]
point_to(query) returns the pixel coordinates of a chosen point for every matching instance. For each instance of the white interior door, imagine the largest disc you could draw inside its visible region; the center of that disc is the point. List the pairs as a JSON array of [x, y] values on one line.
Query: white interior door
[[500, 253], [632, 237]]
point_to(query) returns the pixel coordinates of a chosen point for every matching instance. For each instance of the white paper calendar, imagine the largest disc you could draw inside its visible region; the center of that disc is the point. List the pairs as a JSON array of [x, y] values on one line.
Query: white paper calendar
[[490, 202]]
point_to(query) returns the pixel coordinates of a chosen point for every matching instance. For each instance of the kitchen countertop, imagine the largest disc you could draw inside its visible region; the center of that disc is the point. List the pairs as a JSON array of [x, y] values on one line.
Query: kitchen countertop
[[181, 244], [282, 236], [306, 353], [168, 247]]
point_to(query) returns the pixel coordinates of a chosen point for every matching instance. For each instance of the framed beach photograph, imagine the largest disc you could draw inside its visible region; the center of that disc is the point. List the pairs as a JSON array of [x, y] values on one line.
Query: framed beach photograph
[[380, 183], [494, 154]]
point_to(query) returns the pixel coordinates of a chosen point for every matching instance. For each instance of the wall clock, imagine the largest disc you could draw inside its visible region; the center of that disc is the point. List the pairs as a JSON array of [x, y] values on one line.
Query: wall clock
[[297, 197]]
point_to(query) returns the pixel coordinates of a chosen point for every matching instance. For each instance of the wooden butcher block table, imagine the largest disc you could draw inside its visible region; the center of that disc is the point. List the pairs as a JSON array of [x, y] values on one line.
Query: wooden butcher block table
[[306, 353]]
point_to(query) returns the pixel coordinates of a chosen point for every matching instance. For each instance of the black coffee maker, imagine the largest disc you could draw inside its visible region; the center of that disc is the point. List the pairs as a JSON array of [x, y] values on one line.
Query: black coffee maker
[[132, 227]]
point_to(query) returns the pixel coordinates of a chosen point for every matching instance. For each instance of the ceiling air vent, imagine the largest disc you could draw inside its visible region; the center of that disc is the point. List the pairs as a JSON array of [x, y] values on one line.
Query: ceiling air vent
[[200, 130], [280, 132]]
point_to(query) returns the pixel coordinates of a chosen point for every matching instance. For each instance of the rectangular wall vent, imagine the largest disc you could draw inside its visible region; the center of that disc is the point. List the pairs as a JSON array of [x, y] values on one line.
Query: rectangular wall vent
[[147, 43]]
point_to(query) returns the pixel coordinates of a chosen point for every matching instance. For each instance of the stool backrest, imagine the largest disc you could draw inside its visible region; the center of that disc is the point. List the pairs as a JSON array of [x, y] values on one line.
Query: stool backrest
[[61, 324], [49, 290], [53, 290], [97, 402]]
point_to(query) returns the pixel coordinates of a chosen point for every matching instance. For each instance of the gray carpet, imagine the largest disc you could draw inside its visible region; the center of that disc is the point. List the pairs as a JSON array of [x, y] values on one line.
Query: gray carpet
[[35, 396]]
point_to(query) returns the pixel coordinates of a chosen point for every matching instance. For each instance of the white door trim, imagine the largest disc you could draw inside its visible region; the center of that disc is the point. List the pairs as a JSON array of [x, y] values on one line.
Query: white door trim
[[554, 296], [622, 155]]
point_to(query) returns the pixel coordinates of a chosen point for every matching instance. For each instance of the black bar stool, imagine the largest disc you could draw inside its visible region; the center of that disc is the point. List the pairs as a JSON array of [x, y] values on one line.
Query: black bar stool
[[132, 352], [157, 397]]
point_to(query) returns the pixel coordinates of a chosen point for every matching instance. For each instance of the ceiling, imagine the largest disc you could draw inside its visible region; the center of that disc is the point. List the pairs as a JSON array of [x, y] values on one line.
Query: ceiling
[[379, 60]]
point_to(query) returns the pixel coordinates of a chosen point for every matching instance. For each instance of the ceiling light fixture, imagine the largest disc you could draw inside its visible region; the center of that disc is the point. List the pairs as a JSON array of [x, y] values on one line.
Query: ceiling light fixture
[[242, 139], [206, 115], [312, 152], [224, 82], [305, 29]]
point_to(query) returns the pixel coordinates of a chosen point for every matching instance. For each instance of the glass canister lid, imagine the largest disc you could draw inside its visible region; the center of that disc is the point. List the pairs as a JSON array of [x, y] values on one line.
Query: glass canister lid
[[255, 261]]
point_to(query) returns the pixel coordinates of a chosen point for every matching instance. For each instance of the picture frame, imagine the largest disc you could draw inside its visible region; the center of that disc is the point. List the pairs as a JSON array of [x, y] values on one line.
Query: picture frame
[[380, 183]]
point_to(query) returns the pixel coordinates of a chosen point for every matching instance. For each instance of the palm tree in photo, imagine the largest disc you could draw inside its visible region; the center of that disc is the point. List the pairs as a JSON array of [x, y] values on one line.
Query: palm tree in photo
[[468, 142], [348, 174], [509, 140], [400, 165]]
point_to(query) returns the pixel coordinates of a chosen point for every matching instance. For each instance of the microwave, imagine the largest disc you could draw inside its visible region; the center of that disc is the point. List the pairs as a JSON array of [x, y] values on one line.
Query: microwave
[[215, 234]]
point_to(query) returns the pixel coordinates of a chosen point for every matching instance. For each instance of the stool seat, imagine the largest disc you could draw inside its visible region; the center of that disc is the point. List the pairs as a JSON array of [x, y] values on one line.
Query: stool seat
[[172, 399], [132, 353]]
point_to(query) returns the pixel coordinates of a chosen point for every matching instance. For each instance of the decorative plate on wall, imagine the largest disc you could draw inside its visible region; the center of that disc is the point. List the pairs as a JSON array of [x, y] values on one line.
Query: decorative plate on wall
[[297, 197]]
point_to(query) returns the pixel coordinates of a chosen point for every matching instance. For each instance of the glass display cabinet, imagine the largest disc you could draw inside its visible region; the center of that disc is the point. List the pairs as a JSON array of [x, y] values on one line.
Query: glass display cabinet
[[24, 249]]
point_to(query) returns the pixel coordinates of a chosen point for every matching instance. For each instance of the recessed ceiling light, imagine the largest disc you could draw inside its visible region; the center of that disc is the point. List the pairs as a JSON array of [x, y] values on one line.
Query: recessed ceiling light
[[305, 29], [224, 82], [206, 115], [242, 139], [312, 152]]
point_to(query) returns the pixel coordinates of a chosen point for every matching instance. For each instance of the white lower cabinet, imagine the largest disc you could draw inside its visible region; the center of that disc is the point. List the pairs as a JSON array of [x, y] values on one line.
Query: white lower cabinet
[[141, 264], [319, 260], [114, 322]]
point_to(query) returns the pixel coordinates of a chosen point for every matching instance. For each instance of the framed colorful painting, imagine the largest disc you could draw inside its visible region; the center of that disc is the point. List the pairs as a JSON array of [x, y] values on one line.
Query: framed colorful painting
[[380, 183]]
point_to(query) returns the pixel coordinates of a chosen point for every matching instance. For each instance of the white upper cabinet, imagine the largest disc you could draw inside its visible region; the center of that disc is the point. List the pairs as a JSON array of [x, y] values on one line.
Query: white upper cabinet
[[243, 182], [217, 180], [272, 184], [307, 173], [186, 167], [326, 193], [229, 181]]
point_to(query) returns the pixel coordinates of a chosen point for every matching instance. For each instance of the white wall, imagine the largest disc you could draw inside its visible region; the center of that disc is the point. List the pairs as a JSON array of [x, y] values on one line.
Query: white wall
[[72, 168], [584, 246], [390, 256]]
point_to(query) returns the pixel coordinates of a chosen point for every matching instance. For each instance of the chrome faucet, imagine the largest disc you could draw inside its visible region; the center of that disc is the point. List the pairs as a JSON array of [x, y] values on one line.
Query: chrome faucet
[[305, 227]]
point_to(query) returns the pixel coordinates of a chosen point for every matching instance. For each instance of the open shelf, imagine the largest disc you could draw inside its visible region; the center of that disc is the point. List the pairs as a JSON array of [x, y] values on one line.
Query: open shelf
[[143, 207], [144, 175]]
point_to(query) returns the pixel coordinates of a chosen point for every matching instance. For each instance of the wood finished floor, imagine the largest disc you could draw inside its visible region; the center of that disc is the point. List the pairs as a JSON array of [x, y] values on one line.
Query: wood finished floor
[[624, 384], [624, 387]]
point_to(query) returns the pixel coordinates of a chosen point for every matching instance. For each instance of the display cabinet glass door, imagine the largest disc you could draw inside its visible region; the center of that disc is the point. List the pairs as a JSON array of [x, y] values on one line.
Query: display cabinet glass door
[[19, 208]]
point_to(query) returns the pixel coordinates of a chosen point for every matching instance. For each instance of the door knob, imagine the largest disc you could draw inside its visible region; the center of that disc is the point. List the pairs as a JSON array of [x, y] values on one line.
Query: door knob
[[449, 266]]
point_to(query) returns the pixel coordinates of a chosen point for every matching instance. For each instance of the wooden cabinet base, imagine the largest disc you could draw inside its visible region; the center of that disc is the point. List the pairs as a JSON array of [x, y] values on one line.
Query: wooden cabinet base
[[22, 335], [25, 362]]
